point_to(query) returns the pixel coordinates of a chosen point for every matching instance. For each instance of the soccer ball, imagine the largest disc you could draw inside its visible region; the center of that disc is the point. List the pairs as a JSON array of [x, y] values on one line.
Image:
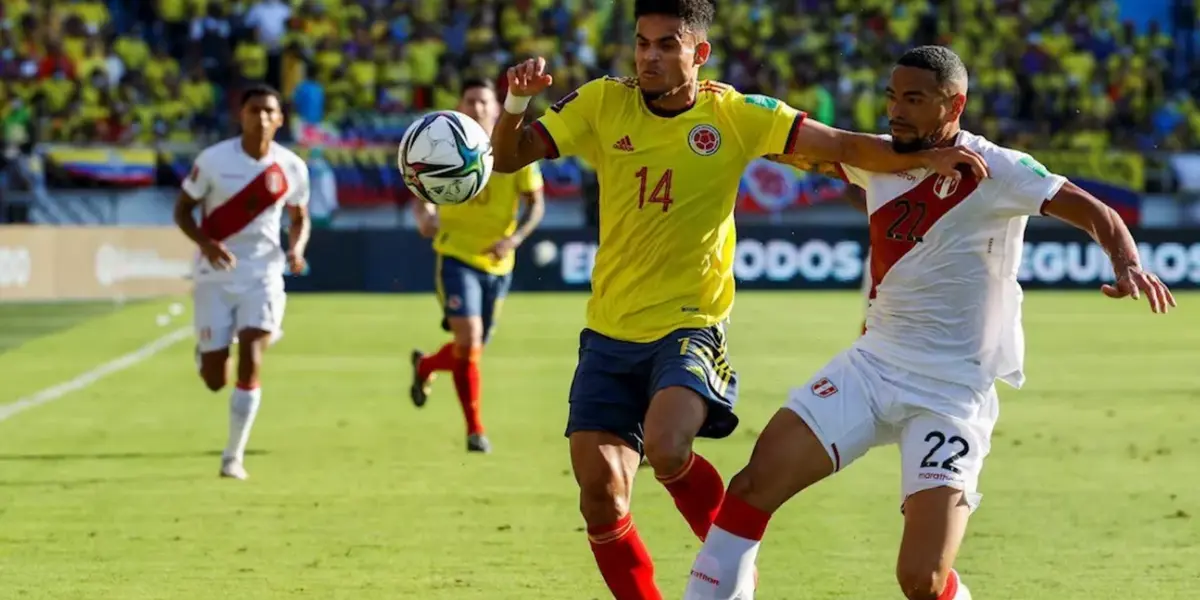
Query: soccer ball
[[445, 158]]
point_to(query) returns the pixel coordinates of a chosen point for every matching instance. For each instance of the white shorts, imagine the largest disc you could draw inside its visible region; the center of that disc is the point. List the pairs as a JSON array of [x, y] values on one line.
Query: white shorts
[[222, 309], [857, 402]]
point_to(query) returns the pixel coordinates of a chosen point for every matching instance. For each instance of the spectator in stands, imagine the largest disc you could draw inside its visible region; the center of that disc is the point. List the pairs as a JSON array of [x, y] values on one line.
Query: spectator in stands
[[1072, 65]]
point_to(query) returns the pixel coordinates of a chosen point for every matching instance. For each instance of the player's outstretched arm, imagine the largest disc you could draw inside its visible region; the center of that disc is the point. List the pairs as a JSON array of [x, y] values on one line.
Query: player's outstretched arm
[[822, 143], [1077, 207], [828, 169], [515, 144]]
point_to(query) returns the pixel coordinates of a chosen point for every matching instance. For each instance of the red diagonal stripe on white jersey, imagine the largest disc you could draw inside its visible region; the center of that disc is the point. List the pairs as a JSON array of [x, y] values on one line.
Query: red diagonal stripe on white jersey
[[898, 226], [247, 204]]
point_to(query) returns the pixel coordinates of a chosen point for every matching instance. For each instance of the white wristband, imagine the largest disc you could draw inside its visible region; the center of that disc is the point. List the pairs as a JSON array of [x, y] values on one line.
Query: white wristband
[[516, 105]]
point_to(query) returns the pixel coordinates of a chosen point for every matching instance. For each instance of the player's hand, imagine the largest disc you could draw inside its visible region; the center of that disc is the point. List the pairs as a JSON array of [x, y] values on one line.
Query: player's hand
[[218, 255], [1133, 282], [503, 248], [946, 162], [296, 263], [428, 226], [529, 78]]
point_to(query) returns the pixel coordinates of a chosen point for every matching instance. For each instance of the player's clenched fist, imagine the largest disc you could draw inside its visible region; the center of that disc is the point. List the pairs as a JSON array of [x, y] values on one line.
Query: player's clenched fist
[[529, 78]]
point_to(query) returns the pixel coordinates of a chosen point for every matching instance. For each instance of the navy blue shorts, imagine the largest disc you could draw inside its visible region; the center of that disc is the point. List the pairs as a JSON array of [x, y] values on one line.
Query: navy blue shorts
[[615, 380], [465, 291]]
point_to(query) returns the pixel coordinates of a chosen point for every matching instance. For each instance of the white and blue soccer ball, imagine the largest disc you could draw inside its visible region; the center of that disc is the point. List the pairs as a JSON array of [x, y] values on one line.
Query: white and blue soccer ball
[[445, 158]]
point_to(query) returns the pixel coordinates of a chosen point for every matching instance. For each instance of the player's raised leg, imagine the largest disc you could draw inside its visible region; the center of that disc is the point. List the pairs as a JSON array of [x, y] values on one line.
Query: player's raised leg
[[787, 458], [696, 389], [814, 436]]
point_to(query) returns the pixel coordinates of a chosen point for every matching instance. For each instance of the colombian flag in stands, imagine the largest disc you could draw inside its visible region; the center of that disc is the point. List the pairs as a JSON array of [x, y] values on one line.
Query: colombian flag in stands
[[108, 165]]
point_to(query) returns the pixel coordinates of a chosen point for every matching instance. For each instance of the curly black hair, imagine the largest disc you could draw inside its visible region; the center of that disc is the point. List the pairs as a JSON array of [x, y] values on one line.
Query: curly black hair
[[697, 15]]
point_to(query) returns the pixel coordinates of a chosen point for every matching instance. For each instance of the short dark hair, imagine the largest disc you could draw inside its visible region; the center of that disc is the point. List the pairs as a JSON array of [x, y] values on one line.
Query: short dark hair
[[697, 15], [471, 83], [942, 61], [259, 89]]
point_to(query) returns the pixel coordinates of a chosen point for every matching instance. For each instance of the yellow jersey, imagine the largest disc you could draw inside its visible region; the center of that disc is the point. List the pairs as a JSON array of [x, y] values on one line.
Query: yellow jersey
[[467, 230], [668, 185]]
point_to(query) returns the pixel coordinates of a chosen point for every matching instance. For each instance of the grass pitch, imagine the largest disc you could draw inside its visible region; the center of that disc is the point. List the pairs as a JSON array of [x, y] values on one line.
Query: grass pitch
[[1092, 490]]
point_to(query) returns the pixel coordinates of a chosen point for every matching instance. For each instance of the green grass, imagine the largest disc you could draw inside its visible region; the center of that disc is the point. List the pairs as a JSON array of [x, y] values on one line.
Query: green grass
[[21, 322], [111, 492]]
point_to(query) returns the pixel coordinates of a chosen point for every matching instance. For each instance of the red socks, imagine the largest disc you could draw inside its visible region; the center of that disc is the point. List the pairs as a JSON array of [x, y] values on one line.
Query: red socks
[[698, 490], [466, 383], [624, 561], [466, 380], [442, 360], [741, 519], [951, 589]]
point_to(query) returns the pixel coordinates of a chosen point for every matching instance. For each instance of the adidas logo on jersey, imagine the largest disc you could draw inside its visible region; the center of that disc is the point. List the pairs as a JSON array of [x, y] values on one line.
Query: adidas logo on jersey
[[624, 144]]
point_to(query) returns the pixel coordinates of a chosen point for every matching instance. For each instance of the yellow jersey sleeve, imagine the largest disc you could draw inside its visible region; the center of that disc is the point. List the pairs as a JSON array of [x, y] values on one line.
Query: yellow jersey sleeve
[[765, 125], [529, 179], [569, 126]]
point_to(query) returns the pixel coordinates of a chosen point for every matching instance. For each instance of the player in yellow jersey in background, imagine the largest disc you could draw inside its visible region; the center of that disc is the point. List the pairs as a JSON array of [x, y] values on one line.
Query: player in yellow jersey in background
[[475, 244], [669, 151]]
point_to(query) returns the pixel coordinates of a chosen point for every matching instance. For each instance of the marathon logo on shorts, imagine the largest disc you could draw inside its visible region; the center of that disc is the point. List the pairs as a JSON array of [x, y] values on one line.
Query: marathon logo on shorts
[[824, 388]]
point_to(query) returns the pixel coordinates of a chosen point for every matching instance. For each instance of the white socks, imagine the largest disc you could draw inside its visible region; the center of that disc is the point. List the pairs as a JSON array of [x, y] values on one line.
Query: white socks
[[724, 569], [243, 406]]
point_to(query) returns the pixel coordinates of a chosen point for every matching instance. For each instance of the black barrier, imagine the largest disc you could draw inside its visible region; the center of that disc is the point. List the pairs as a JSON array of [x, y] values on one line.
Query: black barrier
[[766, 258]]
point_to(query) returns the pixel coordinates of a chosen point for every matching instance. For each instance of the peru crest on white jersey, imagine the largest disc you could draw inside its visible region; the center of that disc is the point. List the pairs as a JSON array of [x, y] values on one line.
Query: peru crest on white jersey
[[944, 299], [241, 201]]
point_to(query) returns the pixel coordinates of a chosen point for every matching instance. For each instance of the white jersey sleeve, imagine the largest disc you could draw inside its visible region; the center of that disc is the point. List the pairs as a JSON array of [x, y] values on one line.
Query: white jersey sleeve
[[198, 183], [297, 172], [1027, 184]]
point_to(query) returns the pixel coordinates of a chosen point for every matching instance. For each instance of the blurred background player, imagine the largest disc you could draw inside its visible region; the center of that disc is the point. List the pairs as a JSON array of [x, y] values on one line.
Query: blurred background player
[[944, 325], [653, 372], [241, 186], [475, 244]]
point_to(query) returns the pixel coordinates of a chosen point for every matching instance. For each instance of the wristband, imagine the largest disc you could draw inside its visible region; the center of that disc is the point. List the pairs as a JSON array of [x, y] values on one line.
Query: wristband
[[516, 105]]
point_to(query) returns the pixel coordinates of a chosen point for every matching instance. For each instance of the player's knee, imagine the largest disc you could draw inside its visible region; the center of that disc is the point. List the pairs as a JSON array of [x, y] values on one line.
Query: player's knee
[[603, 498], [921, 580], [743, 484], [469, 348], [667, 450]]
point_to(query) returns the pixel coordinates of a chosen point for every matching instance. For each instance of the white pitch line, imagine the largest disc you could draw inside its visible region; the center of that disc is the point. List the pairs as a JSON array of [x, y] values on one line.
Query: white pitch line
[[85, 380]]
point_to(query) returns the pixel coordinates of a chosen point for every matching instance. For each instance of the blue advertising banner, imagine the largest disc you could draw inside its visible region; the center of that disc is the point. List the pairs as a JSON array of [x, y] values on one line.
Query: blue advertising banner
[[774, 258]]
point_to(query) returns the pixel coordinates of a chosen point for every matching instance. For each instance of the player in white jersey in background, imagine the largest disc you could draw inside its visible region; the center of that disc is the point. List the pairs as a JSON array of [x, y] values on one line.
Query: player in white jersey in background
[[242, 186], [943, 323]]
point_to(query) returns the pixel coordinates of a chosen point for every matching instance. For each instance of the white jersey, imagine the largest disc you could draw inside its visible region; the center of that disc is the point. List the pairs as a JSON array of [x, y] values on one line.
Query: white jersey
[[241, 202], [944, 299]]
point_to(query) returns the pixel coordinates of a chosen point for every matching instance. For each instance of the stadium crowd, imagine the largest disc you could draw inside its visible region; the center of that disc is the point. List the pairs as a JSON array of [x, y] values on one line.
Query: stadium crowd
[[1044, 72]]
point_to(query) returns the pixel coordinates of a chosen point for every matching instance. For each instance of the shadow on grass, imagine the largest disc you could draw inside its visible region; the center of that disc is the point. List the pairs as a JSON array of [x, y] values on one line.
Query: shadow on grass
[[24, 321]]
